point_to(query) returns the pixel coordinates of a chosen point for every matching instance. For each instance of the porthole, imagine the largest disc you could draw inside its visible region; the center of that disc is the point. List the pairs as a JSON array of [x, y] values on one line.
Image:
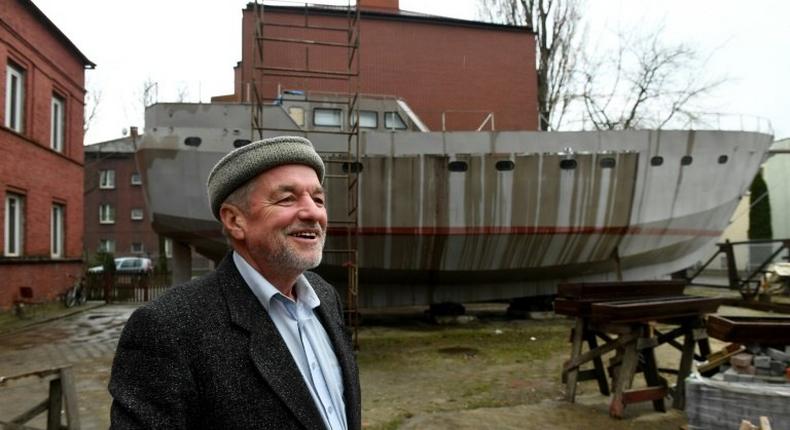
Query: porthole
[[193, 141], [458, 166], [686, 160], [723, 159], [505, 165], [238, 143], [607, 163], [568, 164], [657, 160], [355, 167]]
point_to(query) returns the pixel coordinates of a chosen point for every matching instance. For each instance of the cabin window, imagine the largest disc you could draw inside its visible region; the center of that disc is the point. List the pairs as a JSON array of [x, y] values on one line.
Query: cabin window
[[686, 160], [355, 167], [568, 164], [297, 115], [238, 143], [657, 161], [607, 163], [367, 119], [458, 166], [723, 159], [323, 117], [393, 121], [505, 165]]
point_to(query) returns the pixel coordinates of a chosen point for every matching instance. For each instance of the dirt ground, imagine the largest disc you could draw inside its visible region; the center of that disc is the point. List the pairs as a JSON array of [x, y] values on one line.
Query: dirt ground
[[491, 373]]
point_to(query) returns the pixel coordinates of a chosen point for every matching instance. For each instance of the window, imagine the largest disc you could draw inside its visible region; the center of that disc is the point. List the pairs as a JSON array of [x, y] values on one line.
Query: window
[[14, 224], [15, 98], [58, 214], [327, 117], [568, 164], [393, 121], [458, 166], [137, 248], [137, 214], [297, 115], [106, 214], [58, 121], [107, 245], [136, 179], [723, 159], [607, 163], [657, 160], [107, 179], [505, 165], [367, 119], [686, 160], [168, 248]]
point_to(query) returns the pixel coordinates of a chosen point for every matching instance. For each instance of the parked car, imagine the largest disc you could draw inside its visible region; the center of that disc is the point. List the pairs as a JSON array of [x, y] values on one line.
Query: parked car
[[128, 265]]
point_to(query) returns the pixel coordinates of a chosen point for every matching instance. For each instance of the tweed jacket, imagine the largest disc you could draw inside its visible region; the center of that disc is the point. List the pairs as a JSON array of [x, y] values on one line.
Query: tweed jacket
[[206, 355]]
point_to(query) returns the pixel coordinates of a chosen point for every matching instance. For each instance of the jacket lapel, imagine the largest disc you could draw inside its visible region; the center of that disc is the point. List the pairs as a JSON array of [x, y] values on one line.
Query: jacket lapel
[[267, 348]]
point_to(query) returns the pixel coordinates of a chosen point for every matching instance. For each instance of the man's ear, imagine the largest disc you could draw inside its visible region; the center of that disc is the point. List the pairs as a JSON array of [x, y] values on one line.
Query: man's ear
[[233, 220]]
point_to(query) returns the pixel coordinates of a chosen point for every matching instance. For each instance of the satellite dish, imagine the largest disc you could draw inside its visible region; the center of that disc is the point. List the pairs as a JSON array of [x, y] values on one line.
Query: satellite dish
[[124, 131]]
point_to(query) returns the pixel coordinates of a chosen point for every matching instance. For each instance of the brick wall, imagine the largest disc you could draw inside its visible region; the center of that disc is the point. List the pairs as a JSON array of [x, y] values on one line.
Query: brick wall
[[27, 164], [436, 65]]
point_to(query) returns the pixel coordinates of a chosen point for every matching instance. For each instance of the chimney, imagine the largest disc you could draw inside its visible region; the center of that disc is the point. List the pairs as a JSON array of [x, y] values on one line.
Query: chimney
[[390, 5]]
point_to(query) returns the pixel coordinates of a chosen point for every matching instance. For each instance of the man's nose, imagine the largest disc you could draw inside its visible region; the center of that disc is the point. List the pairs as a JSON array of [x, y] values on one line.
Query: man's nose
[[309, 209]]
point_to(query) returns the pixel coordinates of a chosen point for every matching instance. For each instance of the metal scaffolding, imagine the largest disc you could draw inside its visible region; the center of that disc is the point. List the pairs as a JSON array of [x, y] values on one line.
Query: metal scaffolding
[[318, 40]]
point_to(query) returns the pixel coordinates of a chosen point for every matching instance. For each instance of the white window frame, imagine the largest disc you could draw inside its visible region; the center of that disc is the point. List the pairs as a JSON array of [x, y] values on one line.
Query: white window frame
[[137, 214], [57, 233], [136, 179], [14, 225], [107, 245], [327, 117], [168, 247], [15, 98], [107, 179], [367, 119], [106, 214], [58, 135], [393, 121]]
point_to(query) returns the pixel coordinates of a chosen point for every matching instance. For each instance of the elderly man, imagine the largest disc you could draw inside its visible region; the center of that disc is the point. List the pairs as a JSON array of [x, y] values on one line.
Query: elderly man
[[259, 343]]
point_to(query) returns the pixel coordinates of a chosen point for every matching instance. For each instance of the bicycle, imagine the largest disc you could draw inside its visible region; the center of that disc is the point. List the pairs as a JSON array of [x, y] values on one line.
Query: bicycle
[[76, 295]]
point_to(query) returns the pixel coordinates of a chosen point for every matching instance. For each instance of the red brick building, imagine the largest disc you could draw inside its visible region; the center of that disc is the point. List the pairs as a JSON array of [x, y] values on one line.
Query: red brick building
[[42, 86], [116, 218], [438, 65]]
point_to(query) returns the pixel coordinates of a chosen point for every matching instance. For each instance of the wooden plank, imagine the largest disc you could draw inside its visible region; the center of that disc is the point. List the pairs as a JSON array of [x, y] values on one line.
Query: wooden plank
[[620, 290], [625, 376], [654, 394], [686, 359], [31, 413], [653, 379], [54, 405], [598, 369], [601, 350], [767, 330], [70, 398], [576, 349]]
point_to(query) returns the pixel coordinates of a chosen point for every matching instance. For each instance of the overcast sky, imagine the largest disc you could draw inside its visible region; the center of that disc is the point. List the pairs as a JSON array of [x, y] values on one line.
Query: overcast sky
[[192, 46]]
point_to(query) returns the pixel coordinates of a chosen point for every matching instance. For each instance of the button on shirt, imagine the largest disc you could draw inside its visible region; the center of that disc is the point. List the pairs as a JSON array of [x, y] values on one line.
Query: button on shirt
[[306, 339]]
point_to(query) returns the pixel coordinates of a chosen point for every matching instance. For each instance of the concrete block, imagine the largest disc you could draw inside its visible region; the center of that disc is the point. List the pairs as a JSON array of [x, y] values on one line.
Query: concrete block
[[778, 368], [730, 375], [762, 361], [741, 360], [778, 355]]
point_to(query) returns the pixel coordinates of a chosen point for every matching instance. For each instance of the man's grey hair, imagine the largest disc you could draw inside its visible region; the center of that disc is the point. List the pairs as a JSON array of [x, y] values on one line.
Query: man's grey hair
[[240, 197]]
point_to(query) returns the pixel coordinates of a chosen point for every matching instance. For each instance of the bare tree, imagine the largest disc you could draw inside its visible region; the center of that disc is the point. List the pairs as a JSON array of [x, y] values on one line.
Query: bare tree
[[644, 83], [92, 101], [556, 24]]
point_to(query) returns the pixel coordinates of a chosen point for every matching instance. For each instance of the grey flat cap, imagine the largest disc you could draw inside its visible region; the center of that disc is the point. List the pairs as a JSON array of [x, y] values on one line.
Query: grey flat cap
[[249, 161]]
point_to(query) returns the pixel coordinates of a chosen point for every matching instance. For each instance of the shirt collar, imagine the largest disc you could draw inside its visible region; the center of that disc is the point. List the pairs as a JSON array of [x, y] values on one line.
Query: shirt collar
[[265, 291]]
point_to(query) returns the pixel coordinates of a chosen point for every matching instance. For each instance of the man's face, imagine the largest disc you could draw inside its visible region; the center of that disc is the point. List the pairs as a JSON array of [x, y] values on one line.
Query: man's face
[[285, 222]]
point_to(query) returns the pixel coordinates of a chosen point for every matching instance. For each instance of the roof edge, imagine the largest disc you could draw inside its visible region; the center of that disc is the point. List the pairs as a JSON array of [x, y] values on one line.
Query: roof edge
[[57, 32]]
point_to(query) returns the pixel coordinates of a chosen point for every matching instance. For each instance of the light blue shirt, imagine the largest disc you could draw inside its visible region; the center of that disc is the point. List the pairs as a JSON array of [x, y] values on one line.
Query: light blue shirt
[[306, 338]]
